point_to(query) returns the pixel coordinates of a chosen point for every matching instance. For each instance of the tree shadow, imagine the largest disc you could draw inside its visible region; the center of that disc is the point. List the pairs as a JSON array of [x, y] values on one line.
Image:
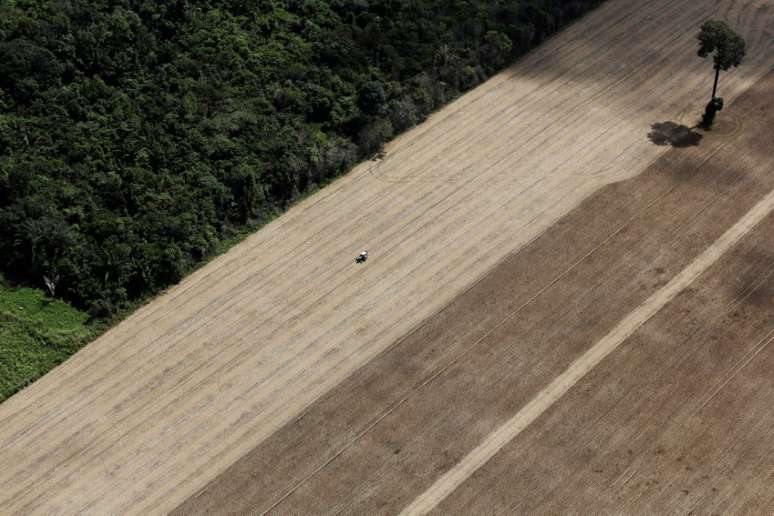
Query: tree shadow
[[674, 134]]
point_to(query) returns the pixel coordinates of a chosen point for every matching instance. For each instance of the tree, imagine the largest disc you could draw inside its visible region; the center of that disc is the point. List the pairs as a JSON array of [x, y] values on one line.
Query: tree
[[49, 240], [136, 136], [727, 49], [496, 49], [372, 97]]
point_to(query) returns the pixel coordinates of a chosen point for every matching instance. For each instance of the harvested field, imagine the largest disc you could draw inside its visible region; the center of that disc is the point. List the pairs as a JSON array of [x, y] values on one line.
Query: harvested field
[[149, 414], [382, 437], [680, 419]]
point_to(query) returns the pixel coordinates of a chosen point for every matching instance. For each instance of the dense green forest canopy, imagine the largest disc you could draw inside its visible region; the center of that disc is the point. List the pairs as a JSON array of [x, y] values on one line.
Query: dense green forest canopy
[[137, 135]]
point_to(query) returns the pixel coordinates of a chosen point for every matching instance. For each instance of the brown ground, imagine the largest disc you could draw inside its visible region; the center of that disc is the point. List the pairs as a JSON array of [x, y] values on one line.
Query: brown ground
[[679, 420], [151, 412], [381, 437]]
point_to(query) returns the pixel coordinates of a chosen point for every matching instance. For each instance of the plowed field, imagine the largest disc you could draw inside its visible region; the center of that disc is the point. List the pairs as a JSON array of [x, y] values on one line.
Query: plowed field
[[284, 376], [534, 338]]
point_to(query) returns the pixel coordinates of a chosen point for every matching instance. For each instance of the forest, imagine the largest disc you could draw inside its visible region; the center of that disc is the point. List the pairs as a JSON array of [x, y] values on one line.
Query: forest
[[138, 137]]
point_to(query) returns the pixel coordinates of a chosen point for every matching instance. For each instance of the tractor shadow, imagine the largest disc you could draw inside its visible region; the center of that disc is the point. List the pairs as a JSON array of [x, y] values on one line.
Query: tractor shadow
[[674, 134]]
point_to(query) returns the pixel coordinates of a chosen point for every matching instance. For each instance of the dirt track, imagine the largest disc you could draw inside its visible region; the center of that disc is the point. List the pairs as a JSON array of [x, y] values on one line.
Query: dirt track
[[382, 437], [679, 420], [148, 414], [584, 364]]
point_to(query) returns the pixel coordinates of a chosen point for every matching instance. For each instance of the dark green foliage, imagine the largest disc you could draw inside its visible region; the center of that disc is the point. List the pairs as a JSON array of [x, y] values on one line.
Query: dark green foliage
[[136, 136], [727, 49]]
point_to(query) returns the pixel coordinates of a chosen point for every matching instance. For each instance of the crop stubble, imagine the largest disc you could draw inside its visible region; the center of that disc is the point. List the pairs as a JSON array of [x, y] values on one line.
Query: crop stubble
[[678, 420], [380, 438], [149, 413]]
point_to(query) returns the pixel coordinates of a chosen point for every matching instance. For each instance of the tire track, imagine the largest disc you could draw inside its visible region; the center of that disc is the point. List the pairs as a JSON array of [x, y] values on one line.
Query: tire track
[[588, 361], [194, 357]]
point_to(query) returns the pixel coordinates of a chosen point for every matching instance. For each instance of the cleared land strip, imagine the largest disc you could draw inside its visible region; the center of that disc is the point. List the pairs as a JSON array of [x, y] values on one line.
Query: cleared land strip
[[427, 501], [383, 436], [677, 420], [149, 413]]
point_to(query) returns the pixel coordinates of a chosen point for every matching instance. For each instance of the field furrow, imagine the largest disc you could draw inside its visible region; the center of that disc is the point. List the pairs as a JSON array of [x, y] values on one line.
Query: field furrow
[[147, 415]]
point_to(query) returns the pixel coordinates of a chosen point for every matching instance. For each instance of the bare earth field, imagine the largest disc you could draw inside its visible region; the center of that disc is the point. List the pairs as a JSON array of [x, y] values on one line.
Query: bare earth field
[[680, 419], [213, 396], [380, 439]]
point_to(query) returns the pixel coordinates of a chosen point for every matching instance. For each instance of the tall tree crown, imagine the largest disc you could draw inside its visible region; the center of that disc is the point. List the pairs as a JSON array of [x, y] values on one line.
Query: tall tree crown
[[726, 46]]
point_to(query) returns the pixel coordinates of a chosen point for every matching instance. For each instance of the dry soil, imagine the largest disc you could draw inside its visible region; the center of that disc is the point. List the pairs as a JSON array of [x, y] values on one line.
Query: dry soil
[[154, 410]]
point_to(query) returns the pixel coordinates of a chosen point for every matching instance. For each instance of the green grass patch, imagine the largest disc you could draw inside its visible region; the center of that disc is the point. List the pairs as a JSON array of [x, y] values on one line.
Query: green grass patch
[[36, 334]]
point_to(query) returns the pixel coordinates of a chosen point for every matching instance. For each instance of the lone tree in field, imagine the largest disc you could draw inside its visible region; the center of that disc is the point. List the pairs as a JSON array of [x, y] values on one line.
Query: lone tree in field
[[727, 49]]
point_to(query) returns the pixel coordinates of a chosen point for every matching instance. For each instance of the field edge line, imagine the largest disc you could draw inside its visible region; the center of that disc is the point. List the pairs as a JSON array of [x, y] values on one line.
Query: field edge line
[[493, 443]]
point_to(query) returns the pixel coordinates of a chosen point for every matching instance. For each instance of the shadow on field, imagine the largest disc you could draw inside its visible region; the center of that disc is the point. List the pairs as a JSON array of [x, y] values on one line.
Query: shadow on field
[[673, 134]]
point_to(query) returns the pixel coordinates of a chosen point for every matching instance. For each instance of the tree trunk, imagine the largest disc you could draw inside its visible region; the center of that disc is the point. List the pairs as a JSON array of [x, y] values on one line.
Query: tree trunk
[[715, 86], [51, 283]]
